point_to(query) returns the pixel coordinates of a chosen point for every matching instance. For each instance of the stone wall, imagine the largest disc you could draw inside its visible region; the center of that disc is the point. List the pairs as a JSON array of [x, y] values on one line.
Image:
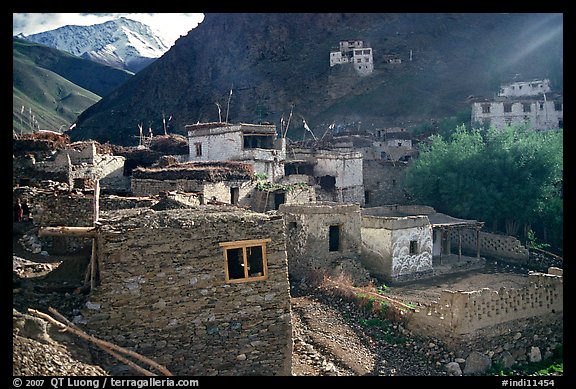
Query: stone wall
[[384, 182], [493, 245], [465, 317], [308, 236], [265, 201], [163, 292]]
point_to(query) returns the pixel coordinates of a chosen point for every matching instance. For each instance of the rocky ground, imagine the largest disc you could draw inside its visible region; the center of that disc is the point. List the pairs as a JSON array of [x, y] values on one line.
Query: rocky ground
[[333, 334]]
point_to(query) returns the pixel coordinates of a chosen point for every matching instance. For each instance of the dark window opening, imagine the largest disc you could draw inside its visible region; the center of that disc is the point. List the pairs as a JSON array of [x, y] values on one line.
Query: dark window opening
[[393, 182], [560, 123], [298, 168], [198, 146], [507, 107], [234, 195], [258, 142], [327, 182], [541, 106], [292, 225], [366, 197], [485, 108], [279, 198], [255, 261], [413, 247], [334, 238], [526, 107], [235, 263], [557, 106]]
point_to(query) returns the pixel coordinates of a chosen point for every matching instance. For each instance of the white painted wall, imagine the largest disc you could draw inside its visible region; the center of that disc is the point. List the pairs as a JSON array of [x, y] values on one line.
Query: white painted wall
[[525, 88], [542, 115]]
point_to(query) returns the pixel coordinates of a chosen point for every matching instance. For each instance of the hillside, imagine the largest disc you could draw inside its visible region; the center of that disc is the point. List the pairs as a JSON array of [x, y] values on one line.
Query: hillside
[[55, 86], [273, 61]]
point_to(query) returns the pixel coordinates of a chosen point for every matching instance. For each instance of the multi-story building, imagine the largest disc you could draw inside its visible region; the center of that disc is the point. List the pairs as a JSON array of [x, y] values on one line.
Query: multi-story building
[[354, 52]]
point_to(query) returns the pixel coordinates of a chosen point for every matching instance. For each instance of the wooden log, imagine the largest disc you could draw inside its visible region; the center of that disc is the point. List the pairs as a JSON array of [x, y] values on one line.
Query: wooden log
[[101, 343], [135, 367], [86, 232]]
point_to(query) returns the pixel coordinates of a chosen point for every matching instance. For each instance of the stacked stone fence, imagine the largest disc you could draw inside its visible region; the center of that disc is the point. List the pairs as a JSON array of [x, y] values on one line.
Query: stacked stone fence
[[493, 245], [458, 314]]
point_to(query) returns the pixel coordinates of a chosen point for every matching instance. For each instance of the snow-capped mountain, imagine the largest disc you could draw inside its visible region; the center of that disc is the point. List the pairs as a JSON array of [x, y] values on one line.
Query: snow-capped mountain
[[121, 43]]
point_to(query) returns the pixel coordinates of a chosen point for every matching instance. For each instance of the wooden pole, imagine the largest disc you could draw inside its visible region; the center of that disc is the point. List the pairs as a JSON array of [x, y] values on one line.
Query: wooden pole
[[107, 346], [93, 257], [459, 245], [477, 242], [86, 232]]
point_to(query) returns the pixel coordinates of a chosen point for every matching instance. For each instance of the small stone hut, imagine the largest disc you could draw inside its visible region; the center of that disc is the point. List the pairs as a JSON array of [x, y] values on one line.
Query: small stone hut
[[202, 290]]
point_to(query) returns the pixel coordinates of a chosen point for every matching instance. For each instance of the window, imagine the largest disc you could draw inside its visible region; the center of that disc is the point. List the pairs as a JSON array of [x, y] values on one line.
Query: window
[[358, 60], [245, 260], [367, 197], [485, 108], [560, 123], [541, 106], [334, 238], [198, 149], [413, 247], [557, 106], [279, 198], [526, 107], [234, 195], [507, 107]]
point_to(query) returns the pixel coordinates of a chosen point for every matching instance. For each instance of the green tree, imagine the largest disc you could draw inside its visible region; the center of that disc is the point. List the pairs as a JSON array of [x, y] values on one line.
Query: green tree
[[511, 178]]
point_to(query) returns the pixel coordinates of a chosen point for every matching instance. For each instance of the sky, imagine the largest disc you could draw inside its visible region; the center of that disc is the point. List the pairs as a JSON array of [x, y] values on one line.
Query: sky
[[169, 26]]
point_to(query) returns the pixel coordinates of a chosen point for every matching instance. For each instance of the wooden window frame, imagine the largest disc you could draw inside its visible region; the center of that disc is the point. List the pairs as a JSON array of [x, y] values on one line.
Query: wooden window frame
[[243, 244]]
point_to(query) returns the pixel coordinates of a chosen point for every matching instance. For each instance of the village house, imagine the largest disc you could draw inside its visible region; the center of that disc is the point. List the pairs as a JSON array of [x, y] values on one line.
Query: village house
[[353, 52], [203, 292], [521, 103], [256, 144], [400, 242], [49, 156], [323, 238], [337, 175]]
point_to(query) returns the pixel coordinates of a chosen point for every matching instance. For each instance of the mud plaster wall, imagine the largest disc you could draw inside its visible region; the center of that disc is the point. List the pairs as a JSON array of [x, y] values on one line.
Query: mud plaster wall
[[163, 293], [386, 249], [264, 201], [307, 236], [491, 244], [458, 314]]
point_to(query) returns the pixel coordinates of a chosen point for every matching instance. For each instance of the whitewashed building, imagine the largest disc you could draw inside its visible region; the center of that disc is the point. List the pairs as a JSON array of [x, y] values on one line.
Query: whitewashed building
[[525, 88], [256, 144], [540, 114], [523, 102], [354, 52]]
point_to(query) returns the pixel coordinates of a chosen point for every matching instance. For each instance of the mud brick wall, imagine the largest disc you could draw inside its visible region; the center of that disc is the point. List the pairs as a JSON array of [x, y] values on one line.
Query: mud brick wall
[[460, 313], [492, 244], [163, 292], [307, 235]]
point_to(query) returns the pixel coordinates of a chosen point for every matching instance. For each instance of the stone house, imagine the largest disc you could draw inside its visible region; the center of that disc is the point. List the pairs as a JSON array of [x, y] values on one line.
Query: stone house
[[523, 102], [353, 52], [203, 291], [336, 175], [323, 237], [256, 144], [225, 182]]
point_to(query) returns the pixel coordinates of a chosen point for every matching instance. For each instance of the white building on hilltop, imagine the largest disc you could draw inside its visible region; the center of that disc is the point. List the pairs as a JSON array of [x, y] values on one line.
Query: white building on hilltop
[[525, 102], [354, 52]]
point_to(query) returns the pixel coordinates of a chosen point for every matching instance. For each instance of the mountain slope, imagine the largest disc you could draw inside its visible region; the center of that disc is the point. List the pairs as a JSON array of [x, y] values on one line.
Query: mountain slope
[[121, 43], [273, 61], [43, 99], [97, 78]]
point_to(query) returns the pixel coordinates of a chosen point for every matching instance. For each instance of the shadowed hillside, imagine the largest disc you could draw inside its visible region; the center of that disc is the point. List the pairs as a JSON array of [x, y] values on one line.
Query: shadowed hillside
[[273, 61]]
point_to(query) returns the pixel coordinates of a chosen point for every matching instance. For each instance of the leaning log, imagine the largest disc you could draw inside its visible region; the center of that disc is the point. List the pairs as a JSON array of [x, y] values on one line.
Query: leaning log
[[86, 232]]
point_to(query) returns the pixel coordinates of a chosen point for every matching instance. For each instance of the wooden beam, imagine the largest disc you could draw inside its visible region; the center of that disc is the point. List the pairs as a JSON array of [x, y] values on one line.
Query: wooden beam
[[87, 232]]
